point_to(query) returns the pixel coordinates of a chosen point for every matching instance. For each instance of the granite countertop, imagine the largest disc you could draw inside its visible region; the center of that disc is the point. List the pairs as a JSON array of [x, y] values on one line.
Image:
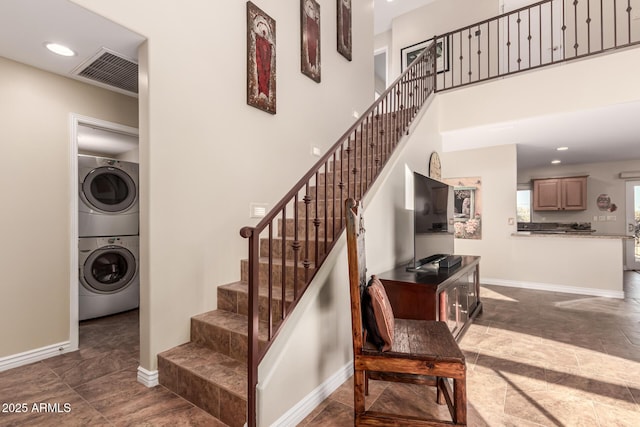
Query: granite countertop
[[572, 234]]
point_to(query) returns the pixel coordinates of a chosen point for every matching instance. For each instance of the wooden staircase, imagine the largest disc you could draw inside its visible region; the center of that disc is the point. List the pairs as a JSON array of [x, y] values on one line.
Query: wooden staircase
[[211, 370]]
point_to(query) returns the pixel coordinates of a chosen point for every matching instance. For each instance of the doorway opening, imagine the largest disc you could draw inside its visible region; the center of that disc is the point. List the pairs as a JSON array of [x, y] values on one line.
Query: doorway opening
[[381, 73], [632, 246]]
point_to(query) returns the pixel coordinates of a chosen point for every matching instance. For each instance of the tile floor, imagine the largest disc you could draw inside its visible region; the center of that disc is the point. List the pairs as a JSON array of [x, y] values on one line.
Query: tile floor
[[534, 359], [99, 384]]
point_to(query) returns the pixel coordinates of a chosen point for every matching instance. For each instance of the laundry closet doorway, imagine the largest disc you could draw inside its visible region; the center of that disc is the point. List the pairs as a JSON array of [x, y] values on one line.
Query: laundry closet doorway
[[102, 139]]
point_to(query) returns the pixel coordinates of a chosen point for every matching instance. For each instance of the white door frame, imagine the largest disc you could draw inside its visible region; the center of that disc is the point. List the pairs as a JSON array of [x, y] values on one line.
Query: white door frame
[[630, 262], [76, 120]]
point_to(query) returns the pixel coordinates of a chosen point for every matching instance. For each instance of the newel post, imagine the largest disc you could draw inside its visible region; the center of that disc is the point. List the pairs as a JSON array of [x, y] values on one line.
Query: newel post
[[252, 311]]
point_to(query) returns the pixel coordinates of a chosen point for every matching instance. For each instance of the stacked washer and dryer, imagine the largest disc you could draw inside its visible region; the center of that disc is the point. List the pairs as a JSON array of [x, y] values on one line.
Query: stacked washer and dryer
[[108, 244]]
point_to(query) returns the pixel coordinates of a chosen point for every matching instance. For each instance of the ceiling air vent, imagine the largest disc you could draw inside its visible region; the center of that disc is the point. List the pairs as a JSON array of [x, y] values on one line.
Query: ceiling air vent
[[110, 69]]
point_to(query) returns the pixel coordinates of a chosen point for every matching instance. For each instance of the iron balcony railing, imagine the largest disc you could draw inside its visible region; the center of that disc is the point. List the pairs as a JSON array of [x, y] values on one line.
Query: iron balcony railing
[[544, 33]]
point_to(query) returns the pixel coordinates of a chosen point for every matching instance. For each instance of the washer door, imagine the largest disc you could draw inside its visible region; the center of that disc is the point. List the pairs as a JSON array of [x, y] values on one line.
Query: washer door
[[109, 189], [109, 269]]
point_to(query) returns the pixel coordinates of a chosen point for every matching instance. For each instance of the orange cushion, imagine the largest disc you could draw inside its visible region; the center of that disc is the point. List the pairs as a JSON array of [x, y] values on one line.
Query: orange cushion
[[382, 312]]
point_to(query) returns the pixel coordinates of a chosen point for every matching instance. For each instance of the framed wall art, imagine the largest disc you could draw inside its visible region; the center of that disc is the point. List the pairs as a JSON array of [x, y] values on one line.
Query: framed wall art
[[467, 207], [310, 39], [344, 28], [261, 59], [410, 53]]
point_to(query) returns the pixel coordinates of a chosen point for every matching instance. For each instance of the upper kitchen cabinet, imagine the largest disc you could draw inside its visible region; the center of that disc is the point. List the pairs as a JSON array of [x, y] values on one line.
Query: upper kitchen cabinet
[[560, 194]]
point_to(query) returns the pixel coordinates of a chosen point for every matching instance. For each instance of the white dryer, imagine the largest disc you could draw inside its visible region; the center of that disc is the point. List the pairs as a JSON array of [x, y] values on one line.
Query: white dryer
[[108, 197], [109, 281]]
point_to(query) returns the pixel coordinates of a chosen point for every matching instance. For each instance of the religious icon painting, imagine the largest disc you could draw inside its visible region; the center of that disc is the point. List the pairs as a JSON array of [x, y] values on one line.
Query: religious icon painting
[[310, 39], [261, 59], [344, 28]]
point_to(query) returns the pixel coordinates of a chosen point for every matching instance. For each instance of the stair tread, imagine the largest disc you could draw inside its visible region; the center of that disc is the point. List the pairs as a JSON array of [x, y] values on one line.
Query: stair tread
[[210, 365]]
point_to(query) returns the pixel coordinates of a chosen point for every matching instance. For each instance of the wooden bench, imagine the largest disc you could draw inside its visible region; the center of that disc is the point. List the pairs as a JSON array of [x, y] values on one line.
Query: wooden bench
[[423, 351]]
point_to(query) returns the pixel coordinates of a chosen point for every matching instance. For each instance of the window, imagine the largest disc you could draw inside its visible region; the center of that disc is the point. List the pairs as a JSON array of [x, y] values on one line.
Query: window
[[523, 201]]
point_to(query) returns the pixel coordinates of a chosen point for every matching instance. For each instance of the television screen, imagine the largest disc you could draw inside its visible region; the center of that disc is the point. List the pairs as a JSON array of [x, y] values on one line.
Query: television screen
[[433, 207]]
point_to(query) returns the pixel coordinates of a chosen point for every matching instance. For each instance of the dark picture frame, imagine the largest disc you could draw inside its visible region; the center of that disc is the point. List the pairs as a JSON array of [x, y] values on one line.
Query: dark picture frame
[[344, 28], [410, 53], [261, 59], [310, 39]]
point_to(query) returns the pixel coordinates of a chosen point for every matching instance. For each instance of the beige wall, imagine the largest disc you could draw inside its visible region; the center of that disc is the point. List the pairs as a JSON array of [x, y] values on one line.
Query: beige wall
[[209, 155], [35, 185]]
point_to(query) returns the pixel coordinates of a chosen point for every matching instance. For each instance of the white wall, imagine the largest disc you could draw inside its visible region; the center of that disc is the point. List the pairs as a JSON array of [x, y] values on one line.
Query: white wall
[[603, 179], [205, 155], [562, 88], [35, 184]]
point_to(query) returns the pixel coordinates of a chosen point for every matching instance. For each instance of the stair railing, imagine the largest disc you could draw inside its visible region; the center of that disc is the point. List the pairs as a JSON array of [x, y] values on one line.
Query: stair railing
[[544, 33], [288, 246], [295, 237]]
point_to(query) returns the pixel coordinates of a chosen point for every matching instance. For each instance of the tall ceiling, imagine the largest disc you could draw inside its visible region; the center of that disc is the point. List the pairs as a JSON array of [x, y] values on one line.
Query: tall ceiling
[[26, 25], [385, 11], [606, 134]]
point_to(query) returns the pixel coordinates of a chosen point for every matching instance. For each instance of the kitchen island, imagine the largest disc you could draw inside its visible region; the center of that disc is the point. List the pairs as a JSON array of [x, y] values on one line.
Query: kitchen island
[[581, 263]]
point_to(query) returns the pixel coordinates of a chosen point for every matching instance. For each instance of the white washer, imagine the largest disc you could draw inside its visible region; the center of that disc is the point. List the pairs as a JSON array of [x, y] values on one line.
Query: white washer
[[108, 273], [108, 197]]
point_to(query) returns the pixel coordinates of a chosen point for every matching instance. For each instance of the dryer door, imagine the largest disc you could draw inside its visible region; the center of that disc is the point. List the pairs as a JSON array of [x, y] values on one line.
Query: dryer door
[[109, 189], [109, 269]]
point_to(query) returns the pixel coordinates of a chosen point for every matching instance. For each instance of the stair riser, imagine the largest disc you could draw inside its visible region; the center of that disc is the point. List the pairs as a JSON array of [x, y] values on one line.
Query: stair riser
[[237, 302], [263, 275], [276, 249], [226, 406], [222, 340], [290, 226], [338, 194]]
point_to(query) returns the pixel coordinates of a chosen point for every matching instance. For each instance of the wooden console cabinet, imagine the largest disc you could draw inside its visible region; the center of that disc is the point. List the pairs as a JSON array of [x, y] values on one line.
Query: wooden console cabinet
[[560, 194], [450, 295]]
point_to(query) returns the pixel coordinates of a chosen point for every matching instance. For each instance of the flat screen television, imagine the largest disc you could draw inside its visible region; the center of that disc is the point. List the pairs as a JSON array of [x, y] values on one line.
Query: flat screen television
[[433, 208]]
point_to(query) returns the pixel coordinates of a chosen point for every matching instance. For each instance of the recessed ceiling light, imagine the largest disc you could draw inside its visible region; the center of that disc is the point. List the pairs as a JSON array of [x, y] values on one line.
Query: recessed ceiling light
[[562, 148], [555, 162], [59, 49]]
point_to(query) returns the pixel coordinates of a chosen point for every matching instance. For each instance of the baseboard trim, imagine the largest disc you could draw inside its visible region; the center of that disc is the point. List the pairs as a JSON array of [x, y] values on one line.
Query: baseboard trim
[[35, 355], [554, 288], [147, 377], [303, 408]]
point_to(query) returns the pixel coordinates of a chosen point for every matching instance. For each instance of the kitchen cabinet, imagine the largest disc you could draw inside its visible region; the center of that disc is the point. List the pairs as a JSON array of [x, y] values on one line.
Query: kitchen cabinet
[[560, 194]]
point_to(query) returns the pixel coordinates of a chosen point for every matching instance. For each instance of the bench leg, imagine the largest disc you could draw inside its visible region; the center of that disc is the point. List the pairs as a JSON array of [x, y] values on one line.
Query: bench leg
[[460, 400], [366, 383], [359, 378]]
